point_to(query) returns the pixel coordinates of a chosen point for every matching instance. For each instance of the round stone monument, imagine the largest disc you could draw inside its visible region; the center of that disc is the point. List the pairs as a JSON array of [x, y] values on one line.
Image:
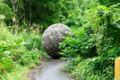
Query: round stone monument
[[51, 38]]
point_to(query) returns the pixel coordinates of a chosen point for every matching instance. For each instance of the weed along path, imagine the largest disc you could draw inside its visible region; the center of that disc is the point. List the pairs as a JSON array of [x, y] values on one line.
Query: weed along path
[[51, 71]]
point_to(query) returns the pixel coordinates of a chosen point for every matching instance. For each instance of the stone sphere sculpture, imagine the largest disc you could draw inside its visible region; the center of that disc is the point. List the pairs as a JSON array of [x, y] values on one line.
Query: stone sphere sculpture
[[51, 38]]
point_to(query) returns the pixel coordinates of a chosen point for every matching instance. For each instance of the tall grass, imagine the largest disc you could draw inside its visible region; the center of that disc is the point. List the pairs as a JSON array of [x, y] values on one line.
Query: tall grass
[[34, 40], [19, 73], [5, 34], [18, 52]]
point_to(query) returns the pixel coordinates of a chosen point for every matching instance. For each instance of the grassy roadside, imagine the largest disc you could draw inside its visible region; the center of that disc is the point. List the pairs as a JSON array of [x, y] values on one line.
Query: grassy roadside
[[19, 53], [19, 73], [23, 72]]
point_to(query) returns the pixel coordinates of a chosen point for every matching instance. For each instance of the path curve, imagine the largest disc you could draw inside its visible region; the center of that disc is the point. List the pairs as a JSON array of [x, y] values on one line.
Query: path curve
[[51, 71]]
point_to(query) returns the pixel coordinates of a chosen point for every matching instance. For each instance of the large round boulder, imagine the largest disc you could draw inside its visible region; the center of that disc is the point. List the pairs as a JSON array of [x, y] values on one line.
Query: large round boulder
[[51, 38]]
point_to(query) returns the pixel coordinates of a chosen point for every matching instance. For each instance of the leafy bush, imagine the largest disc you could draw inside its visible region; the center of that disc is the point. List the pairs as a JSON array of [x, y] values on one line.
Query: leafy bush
[[73, 19], [72, 64], [47, 12], [108, 2], [34, 41], [74, 10], [4, 34], [97, 41], [93, 69], [79, 44], [14, 74], [14, 52], [6, 10]]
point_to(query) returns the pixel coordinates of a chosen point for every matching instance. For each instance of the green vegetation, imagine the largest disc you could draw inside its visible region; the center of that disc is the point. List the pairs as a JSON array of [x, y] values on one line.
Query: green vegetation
[[18, 73], [92, 48], [17, 52], [96, 42]]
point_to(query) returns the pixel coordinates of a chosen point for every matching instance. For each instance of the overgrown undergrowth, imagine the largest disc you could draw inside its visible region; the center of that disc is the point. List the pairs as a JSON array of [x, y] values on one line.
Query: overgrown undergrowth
[[18, 52], [96, 42]]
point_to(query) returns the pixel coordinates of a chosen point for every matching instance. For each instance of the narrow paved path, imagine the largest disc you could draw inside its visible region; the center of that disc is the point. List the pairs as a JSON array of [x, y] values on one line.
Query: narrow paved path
[[51, 71]]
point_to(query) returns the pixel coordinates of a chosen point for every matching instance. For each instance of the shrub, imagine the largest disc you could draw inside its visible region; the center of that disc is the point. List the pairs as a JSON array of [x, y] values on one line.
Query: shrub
[[6, 10], [93, 69], [34, 40], [108, 2], [14, 52], [79, 43], [97, 42]]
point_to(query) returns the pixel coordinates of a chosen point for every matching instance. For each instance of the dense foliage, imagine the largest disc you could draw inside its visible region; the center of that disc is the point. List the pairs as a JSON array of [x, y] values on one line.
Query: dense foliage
[[21, 50], [18, 50], [46, 13], [108, 2], [93, 46], [96, 42], [6, 10]]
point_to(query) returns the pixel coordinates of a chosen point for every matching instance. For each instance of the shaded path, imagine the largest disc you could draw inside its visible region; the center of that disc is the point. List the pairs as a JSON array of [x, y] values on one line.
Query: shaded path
[[51, 71]]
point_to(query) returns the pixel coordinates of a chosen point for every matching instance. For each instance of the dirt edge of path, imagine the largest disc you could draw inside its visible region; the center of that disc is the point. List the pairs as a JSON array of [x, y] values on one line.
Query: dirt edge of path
[[31, 75], [33, 72]]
